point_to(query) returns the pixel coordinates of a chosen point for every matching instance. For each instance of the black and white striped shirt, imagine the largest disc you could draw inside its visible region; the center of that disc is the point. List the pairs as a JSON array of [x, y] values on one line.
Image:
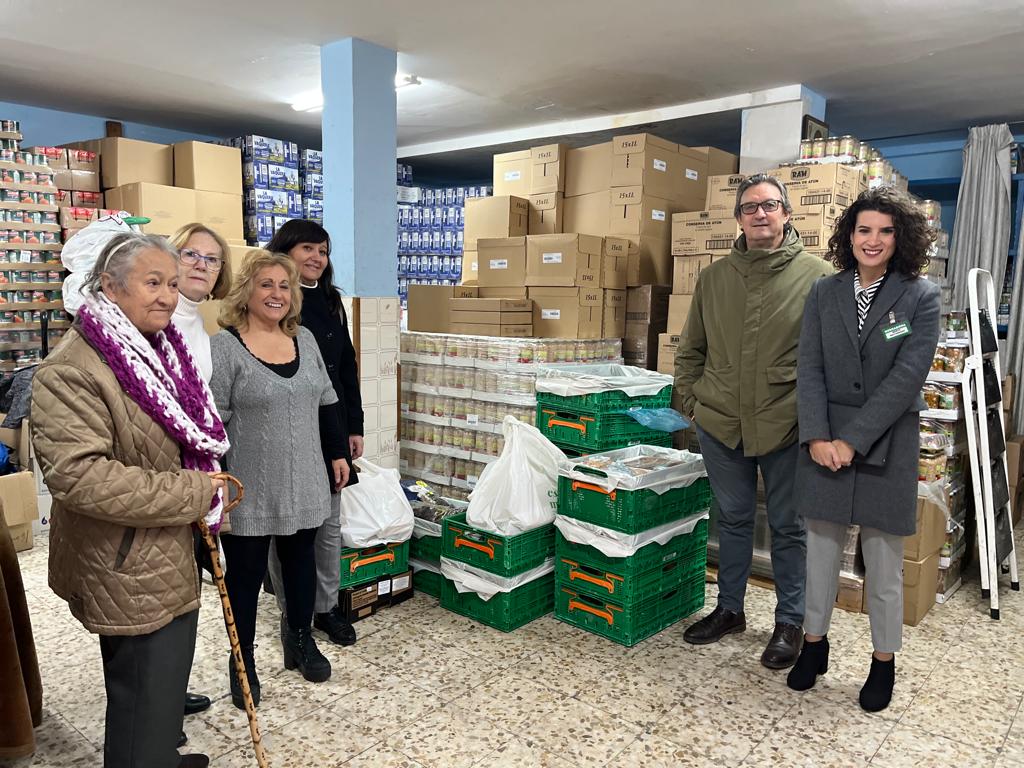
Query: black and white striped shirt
[[864, 297]]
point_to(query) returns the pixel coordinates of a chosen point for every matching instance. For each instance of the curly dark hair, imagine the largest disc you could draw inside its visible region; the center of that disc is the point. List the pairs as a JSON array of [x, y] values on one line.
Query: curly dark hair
[[913, 235]]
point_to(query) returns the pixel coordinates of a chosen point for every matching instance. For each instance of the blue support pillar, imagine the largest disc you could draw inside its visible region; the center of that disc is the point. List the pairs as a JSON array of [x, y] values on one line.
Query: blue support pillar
[[359, 142]]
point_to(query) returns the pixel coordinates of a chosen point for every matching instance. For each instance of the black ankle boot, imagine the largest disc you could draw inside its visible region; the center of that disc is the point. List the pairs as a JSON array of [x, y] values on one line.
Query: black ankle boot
[[250, 672], [300, 652], [877, 691], [813, 661]]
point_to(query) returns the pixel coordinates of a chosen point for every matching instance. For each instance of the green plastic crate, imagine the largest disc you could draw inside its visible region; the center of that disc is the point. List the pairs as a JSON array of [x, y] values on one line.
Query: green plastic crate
[[494, 553], [605, 402], [590, 432], [361, 565], [425, 548], [630, 511], [427, 582], [506, 610], [652, 570], [628, 624]]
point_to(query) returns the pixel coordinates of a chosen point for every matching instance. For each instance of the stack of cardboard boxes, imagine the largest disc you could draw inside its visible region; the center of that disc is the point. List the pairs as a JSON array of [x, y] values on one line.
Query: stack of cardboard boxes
[[819, 194], [76, 175], [172, 185], [311, 173], [271, 186]]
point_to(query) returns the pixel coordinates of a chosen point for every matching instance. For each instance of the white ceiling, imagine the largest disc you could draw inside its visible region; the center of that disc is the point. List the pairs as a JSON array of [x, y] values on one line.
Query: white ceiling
[[887, 67]]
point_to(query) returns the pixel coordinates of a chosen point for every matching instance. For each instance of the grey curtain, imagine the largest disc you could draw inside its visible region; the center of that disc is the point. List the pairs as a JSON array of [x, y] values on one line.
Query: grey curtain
[[1013, 360], [981, 233]]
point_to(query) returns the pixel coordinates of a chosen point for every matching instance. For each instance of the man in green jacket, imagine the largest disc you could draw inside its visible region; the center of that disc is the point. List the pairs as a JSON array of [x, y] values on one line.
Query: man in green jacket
[[736, 373]]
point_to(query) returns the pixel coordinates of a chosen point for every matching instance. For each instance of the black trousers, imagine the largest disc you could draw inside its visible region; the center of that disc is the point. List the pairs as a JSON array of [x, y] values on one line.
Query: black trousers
[[246, 558], [146, 677]]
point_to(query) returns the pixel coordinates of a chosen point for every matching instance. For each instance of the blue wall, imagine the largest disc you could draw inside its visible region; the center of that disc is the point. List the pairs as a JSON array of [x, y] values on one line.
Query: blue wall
[[50, 127]]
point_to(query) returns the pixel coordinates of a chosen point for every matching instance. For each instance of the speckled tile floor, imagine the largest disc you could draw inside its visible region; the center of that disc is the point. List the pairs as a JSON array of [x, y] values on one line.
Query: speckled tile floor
[[425, 688]]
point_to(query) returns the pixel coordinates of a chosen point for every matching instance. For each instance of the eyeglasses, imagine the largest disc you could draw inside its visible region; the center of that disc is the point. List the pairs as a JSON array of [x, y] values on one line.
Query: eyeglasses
[[768, 206], [191, 258]]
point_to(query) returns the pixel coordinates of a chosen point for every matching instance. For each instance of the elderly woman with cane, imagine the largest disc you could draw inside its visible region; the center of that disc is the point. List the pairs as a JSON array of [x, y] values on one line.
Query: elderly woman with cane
[[129, 441]]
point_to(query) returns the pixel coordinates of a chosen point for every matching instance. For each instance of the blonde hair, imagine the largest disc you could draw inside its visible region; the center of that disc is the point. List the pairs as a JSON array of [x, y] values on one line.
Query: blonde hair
[[234, 309], [177, 241]]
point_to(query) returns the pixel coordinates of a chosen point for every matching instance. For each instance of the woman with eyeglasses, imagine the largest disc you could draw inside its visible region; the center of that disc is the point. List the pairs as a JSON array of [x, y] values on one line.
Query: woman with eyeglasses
[[203, 273]]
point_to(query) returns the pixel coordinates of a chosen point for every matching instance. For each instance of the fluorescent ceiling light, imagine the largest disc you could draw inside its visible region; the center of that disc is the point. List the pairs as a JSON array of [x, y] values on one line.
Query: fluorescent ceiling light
[[315, 102]]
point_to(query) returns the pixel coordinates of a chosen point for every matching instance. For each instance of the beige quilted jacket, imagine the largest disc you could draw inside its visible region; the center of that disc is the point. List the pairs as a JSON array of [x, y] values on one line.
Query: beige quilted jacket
[[121, 549]]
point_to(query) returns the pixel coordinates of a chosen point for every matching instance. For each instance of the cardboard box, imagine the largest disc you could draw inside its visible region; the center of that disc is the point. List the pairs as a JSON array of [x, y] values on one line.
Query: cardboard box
[[930, 534], [359, 602], [77, 218], [222, 212], [208, 167], [567, 313], [18, 494], [816, 226], [19, 443], [547, 213], [694, 165], [502, 292], [722, 193], [513, 173], [169, 208], [503, 216], [719, 162], [850, 595], [647, 305], [548, 173], [588, 170], [21, 536], [919, 579], [636, 213], [429, 306], [615, 264], [501, 261], [399, 588], [1014, 465], [649, 261], [668, 343], [589, 214], [488, 329], [470, 268], [613, 319], [687, 270], [83, 160], [510, 317], [128, 161], [87, 200], [678, 310], [698, 232], [478, 304], [649, 162], [564, 260], [1009, 387], [56, 157], [85, 181], [810, 186]]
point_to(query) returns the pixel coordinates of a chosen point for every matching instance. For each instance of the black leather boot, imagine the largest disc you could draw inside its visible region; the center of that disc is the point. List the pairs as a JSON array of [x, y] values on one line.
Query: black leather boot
[[193, 760], [813, 661], [300, 652], [333, 624], [877, 691], [715, 626], [250, 672]]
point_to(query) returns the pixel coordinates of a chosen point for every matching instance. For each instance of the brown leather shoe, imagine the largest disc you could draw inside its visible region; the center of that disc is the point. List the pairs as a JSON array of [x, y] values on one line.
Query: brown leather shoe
[[715, 626], [784, 647]]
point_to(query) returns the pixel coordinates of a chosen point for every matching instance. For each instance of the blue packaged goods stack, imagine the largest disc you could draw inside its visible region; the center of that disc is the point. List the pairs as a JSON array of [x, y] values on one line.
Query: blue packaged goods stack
[[311, 173], [271, 185], [431, 224]]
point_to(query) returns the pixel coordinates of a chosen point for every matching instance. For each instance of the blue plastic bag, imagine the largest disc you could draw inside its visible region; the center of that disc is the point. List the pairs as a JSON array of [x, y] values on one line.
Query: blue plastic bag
[[661, 419]]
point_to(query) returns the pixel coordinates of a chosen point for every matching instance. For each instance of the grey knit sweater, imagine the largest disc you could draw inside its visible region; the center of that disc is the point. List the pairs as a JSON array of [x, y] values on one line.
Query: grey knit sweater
[[273, 425]]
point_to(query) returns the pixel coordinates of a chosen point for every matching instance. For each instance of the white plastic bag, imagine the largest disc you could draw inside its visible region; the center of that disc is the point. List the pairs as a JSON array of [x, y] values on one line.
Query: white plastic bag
[[519, 491], [375, 510]]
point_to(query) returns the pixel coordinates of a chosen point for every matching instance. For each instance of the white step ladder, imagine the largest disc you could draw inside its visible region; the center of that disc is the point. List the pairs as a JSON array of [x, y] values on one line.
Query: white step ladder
[[995, 528]]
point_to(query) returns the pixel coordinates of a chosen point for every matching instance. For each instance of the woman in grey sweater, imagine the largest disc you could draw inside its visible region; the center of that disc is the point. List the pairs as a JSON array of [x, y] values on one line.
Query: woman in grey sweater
[[272, 390]]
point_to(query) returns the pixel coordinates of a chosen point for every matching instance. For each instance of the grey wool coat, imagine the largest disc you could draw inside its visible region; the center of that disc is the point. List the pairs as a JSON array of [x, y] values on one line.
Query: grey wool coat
[[865, 390]]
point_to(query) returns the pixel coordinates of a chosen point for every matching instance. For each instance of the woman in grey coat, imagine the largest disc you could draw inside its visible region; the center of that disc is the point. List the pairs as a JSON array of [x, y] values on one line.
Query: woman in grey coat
[[868, 338]]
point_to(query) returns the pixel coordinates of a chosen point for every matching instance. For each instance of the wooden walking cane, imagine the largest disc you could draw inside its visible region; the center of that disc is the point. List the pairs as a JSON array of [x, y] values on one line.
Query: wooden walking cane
[[229, 617]]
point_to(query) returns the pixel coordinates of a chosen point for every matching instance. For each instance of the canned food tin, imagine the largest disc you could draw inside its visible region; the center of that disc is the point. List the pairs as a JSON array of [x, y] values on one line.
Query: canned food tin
[[10, 176], [31, 217], [831, 146], [49, 198], [40, 160], [46, 217], [29, 177], [37, 296], [48, 238], [818, 148], [28, 197], [11, 144], [6, 356], [24, 276], [5, 235], [10, 126], [54, 277], [57, 295], [7, 155], [10, 195], [20, 297], [848, 145], [807, 149], [7, 316], [44, 179], [876, 171], [27, 257]]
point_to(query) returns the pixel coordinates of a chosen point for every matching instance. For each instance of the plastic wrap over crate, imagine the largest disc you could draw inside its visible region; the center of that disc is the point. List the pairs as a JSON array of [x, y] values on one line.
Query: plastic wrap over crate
[[486, 585], [421, 528], [423, 565], [689, 469], [614, 544], [589, 379]]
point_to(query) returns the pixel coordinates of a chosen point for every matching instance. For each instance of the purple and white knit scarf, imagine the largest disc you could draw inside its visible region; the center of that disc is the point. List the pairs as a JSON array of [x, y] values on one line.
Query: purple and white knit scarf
[[161, 376]]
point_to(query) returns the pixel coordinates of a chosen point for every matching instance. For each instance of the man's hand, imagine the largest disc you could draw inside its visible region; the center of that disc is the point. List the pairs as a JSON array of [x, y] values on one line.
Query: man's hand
[[845, 452], [823, 453], [355, 446]]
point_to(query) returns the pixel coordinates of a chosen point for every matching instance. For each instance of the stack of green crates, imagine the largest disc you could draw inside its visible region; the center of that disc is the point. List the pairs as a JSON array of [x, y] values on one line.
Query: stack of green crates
[[361, 566], [628, 599], [583, 424], [503, 556], [425, 557]]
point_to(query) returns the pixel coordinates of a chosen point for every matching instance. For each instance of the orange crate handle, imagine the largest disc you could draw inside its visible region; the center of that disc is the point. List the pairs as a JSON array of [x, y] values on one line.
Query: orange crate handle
[[606, 583], [571, 425], [577, 484], [606, 615], [487, 549], [357, 564]]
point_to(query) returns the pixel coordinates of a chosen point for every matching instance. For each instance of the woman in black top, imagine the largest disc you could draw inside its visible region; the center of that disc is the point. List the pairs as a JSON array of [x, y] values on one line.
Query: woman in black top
[[309, 246]]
